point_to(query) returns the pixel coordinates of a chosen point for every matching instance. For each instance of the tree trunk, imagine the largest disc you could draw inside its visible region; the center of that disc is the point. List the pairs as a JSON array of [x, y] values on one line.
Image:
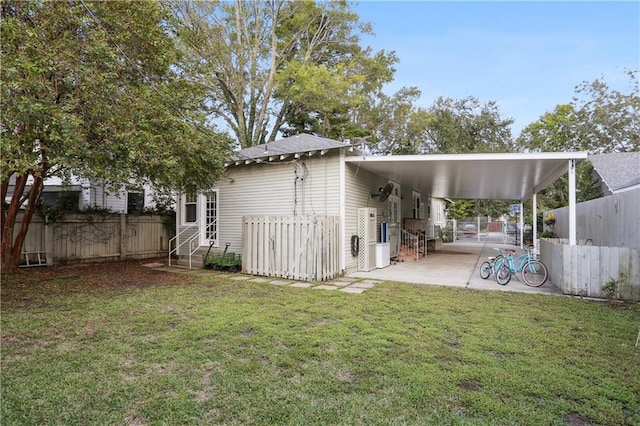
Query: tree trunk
[[12, 247]]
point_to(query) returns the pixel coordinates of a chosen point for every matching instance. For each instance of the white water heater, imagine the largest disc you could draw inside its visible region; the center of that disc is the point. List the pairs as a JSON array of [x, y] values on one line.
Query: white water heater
[[367, 230]]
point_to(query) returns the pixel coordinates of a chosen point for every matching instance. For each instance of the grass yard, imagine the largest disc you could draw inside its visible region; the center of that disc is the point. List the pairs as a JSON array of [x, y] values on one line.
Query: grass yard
[[122, 344]]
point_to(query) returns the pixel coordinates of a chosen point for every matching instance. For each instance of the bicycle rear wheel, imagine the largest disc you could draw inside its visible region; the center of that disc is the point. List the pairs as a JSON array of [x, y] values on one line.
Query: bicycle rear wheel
[[534, 273], [485, 270]]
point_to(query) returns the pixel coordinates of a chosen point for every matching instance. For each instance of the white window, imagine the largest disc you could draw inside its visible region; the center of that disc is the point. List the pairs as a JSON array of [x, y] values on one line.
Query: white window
[[135, 202], [417, 213], [190, 204]]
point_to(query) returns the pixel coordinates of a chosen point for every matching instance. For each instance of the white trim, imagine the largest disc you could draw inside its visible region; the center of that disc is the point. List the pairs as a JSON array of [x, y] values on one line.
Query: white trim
[[534, 208], [582, 155], [343, 209], [572, 202]]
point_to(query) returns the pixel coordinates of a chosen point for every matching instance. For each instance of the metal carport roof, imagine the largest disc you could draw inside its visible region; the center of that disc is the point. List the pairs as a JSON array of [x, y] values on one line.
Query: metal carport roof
[[476, 176]]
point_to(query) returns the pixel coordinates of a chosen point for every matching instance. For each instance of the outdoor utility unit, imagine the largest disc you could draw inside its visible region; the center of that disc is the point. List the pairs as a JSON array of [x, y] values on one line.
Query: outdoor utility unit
[[367, 224]]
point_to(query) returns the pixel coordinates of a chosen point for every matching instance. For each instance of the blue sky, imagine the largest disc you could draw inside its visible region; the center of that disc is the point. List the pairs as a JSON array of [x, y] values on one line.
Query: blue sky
[[527, 56]]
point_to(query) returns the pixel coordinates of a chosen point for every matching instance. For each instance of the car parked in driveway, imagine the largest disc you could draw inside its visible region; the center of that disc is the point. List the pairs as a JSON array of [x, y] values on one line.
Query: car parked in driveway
[[469, 228]]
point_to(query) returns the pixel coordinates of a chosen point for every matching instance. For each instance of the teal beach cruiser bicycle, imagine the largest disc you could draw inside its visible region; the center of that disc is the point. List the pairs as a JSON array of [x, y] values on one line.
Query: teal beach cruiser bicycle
[[532, 271]]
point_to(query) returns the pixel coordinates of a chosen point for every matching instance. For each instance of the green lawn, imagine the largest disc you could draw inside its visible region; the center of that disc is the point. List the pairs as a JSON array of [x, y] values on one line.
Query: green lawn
[[214, 351]]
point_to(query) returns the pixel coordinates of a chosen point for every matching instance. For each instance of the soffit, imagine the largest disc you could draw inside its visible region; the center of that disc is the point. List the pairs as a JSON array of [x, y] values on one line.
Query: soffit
[[474, 176]]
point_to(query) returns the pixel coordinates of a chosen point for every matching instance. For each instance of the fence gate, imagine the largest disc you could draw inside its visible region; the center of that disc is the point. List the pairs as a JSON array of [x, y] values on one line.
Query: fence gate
[[303, 248]]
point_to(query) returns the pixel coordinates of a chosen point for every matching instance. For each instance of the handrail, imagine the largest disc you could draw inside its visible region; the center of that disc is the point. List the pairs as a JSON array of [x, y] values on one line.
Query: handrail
[[197, 246], [189, 241], [411, 243], [186, 228]]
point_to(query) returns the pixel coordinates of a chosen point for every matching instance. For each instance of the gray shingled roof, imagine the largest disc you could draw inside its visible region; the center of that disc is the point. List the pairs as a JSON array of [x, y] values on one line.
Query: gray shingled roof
[[617, 170], [298, 144]]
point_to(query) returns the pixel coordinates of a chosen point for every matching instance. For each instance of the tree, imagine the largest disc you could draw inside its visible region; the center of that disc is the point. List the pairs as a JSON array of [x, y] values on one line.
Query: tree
[[88, 89], [598, 120], [279, 66], [460, 209], [466, 126], [608, 120], [392, 123]]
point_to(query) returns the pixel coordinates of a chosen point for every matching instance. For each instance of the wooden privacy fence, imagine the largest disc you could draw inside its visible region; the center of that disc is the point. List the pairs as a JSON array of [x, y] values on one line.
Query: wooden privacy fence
[[611, 221], [583, 270], [95, 237], [303, 248]]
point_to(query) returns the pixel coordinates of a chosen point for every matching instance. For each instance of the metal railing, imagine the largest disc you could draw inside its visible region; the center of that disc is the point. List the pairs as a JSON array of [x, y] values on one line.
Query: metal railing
[[413, 243], [189, 241], [193, 242]]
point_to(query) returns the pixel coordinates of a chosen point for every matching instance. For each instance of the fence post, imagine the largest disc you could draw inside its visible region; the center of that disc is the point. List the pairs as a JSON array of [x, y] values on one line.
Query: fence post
[[48, 244], [123, 231]]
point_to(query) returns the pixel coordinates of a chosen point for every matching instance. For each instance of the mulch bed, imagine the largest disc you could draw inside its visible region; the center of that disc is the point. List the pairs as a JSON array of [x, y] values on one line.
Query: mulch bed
[[83, 278]]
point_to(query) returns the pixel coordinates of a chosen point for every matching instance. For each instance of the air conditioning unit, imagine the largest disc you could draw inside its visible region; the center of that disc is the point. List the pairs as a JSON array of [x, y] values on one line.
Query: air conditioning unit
[[367, 228]]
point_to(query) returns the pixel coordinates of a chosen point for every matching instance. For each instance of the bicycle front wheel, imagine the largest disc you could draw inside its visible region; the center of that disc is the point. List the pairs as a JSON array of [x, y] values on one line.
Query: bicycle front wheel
[[534, 273], [503, 275], [485, 270]]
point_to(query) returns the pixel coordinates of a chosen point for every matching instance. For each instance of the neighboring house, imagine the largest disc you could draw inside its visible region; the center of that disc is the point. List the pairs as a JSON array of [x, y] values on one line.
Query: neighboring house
[[87, 194], [618, 171], [302, 175]]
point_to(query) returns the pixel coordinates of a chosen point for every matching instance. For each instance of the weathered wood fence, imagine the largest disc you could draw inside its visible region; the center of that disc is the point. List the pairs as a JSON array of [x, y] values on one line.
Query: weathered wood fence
[[612, 221], [303, 248], [97, 237], [583, 270]]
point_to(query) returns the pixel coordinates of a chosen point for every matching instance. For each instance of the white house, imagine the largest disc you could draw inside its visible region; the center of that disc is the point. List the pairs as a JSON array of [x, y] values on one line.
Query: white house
[[304, 175], [372, 200], [88, 194]]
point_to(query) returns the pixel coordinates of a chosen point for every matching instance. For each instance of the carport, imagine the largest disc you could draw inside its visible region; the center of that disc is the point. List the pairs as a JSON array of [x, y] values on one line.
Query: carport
[[481, 176], [472, 176]]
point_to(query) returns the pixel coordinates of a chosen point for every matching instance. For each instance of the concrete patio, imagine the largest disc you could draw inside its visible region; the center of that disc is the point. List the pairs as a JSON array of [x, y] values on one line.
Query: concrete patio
[[457, 265]]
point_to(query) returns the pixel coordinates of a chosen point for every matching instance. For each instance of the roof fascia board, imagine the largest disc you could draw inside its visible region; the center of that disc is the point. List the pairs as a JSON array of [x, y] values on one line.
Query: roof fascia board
[[579, 156]]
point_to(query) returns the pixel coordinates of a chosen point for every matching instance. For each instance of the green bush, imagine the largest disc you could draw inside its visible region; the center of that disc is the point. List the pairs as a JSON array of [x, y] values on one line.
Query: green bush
[[447, 234]]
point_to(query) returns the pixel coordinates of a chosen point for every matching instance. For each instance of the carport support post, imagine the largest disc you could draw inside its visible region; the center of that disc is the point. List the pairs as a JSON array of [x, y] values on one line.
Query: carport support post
[[572, 202], [521, 227], [535, 222]]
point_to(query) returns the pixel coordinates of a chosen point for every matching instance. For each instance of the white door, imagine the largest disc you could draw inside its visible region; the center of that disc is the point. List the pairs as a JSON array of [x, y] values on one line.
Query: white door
[[209, 223]]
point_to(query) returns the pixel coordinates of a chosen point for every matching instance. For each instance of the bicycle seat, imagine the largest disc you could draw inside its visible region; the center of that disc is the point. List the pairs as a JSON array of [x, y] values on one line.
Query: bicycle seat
[[510, 250]]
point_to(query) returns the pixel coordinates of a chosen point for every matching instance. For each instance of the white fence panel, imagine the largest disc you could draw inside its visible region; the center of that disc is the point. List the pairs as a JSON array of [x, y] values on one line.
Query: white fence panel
[[295, 247], [584, 270]]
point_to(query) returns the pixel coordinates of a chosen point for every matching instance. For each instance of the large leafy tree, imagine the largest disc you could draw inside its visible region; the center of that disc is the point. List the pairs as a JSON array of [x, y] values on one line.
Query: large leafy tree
[[279, 66], [608, 119], [88, 89], [448, 126], [599, 119], [457, 126]]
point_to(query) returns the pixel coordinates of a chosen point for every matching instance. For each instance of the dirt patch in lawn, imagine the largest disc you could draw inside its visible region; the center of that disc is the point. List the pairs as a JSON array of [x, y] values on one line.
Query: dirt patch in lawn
[[30, 283]]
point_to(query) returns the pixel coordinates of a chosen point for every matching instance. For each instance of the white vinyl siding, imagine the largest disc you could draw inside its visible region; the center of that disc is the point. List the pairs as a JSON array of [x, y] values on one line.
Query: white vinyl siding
[[360, 184], [269, 189]]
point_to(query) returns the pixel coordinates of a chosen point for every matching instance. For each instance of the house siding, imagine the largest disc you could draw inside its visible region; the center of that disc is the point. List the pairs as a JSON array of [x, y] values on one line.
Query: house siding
[[269, 189], [360, 184]]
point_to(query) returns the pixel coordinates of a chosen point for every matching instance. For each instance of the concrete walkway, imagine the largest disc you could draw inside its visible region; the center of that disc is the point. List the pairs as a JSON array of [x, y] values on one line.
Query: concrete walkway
[[457, 265]]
